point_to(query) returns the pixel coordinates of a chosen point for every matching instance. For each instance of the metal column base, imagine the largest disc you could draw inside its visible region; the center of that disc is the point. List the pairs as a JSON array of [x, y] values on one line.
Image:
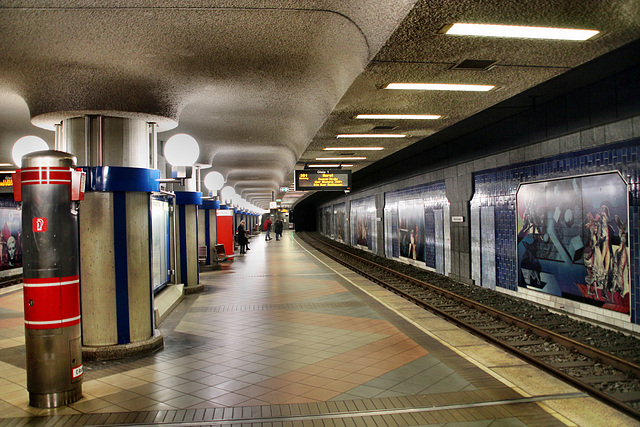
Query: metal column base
[[54, 400]]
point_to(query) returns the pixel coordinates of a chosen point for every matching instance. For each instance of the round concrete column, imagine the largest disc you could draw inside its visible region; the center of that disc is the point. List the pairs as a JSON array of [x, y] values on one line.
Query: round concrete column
[[115, 235], [207, 232], [187, 216]]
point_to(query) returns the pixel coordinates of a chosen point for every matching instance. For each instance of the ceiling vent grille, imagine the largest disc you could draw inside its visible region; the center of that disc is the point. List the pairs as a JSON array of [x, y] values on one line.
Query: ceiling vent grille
[[475, 64]]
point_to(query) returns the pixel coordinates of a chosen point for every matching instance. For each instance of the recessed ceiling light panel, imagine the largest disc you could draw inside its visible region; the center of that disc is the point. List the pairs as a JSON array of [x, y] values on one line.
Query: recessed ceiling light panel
[[353, 148], [398, 116], [370, 135], [440, 86], [336, 165], [335, 159], [517, 31]]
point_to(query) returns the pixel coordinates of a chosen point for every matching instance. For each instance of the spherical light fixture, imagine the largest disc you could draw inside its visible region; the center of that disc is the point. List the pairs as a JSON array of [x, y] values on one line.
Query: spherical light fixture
[[181, 150], [25, 145], [214, 181], [227, 193]]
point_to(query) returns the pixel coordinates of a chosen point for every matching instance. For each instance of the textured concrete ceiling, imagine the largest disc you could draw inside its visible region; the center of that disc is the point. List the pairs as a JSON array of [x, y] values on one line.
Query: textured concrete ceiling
[[263, 86]]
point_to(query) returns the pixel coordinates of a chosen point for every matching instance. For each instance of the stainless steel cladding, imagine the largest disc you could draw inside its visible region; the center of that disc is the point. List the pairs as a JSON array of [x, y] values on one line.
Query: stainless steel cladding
[[48, 182]]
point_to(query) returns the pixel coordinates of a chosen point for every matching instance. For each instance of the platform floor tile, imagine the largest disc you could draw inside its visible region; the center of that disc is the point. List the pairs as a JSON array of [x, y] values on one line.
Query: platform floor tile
[[284, 337]]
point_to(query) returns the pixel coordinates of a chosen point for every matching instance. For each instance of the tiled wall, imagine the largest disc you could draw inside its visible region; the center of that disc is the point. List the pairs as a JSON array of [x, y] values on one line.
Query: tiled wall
[[435, 206], [496, 179], [497, 188]]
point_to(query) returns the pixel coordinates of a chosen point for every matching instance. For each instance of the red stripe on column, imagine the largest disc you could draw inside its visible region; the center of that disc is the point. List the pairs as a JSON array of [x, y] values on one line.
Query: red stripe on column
[[70, 303], [51, 302], [46, 175]]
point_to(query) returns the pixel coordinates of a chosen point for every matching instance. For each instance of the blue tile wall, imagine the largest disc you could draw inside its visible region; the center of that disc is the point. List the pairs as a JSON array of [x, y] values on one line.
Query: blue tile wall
[[430, 238], [497, 187], [394, 230]]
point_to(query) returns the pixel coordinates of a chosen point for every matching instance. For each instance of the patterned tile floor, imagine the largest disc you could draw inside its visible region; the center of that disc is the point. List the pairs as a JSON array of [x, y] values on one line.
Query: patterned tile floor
[[283, 336]]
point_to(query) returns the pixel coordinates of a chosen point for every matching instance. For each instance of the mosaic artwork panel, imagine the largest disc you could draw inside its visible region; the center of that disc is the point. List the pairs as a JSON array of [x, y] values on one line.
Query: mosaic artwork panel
[[340, 221], [326, 221], [363, 223], [10, 238], [413, 210], [411, 230], [573, 239], [497, 187]]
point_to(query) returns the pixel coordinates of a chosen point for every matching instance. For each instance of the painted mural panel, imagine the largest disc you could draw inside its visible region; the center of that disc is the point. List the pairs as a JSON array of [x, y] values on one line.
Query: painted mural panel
[[363, 223], [411, 229], [573, 239], [10, 238], [326, 221]]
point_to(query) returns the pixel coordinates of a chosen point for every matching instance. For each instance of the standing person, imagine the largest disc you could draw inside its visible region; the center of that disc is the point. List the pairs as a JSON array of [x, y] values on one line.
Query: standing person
[[267, 228], [278, 229], [242, 238]]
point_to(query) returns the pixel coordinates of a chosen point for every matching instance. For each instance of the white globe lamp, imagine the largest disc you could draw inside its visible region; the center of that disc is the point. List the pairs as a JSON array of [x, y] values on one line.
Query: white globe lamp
[[181, 150], [227, 193], [214, 181], [25, 145]]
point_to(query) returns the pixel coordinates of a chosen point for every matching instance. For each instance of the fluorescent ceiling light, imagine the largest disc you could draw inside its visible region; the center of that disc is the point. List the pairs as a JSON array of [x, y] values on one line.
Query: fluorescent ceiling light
[[353, 148], [440, 86], [398, 116], [370, 135], [340, 158], [518, 31], [337, 165]]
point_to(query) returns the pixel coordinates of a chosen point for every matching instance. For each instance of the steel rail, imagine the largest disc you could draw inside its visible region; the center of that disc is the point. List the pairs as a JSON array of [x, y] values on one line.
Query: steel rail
[[579, 347]]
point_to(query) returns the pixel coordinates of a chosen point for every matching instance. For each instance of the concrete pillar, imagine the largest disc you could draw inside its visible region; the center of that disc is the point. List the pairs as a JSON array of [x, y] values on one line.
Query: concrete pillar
[[459, 190], [115, 235], [187, 216], [207, 235]]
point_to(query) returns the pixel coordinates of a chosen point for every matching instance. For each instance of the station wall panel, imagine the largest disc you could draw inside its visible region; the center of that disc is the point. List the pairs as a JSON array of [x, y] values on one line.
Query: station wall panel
[[497, 188]]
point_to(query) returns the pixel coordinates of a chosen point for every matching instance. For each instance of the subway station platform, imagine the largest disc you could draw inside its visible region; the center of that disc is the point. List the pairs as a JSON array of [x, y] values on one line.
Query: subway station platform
[[285, 337]]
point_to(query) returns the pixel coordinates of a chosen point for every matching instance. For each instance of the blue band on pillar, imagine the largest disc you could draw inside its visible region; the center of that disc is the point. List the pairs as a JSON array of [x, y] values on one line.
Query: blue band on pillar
[[210, 204], [121, 267], [119, 178], [188, 197], [207, 234]]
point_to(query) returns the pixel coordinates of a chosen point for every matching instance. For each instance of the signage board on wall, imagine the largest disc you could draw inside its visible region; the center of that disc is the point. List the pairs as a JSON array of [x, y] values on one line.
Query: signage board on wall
[[323, 180]]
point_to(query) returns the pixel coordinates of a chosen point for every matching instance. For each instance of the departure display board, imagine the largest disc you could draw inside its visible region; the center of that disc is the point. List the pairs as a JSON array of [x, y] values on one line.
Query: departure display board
[[323, 180]]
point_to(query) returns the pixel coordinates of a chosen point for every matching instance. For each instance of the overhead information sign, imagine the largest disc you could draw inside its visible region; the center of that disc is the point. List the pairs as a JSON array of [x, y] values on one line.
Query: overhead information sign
[[323, 180]]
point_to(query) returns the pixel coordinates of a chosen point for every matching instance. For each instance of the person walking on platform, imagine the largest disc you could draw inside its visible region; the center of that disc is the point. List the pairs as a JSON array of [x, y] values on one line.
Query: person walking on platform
[[267, 228], [278, 229], [242, 238]]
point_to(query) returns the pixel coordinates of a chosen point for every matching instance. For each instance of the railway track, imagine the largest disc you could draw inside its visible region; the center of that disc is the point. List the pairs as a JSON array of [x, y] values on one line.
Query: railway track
[[568, 349], [10, 281]]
